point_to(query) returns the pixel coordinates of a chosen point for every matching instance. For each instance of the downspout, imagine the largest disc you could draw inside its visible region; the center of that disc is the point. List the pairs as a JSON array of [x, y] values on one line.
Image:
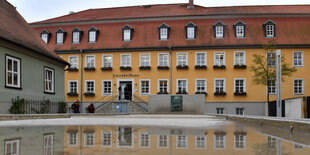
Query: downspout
[[170, 82], [81, 83]]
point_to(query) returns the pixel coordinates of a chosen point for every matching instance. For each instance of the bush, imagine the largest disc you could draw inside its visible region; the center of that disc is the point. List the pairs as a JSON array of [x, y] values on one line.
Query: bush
[[17, 106], [62, 107]]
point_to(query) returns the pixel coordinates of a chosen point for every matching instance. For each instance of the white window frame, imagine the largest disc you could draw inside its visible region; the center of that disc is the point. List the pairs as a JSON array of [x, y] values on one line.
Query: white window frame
[[77, 62], [244, 142], [158, 84], [243, 59], [163, 33], [106, 94], [85, 87], [177, 84], [86, 60], [140, 139], [177, 142], [224, 58], [102, 138], [224, 84], [220, 108], [224, 142], [186, 58], [13, 72], [270, 31], [205, 142], [69, 137], [158, 141], [145, 94], [219, 31], [302, 58], [69, 86], [244, 84], [196, 58], [158, 57], [303, 87], [44, 37], [149, 59], [103, 55], [196, 82], [271, 141], [243, 110], [76, 37], [190, 32], [298, 146], [271, 60], [17, 141], [46, 147], [240, 31], [122, 63], [92, 36], [127, 35], [85, 140], [275, 88], [60, 40], [52, 90]]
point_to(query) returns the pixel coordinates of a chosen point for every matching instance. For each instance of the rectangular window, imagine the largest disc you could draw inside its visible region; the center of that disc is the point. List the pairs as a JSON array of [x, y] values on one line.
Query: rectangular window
[[126, 34], [144, 140], [145, 87], [219, 85], [44, 37], [181, 86], [107, 138], [240, 140], [298, 58], [59, 38], [163, 141], [107, 87], [125, 137], [271, 142], [92, 36], [201, 85], [163, 59], [271, 59], [12, 77], [239, 58], [72, 139], [90, 61], [201, 58], [272, 87], [125, 60], [270, 30], [49, 81], [163, 86], [201, 142], [298, 147], [107, 60], [89, 139], [219, 110], [48, 144], [89, 86], [190, 32], [240, 86], [298, 86], [219, 141], [219, 58], [239, 31], [163, 33], [76, 37], [12, 147], [72, 86], [239, 111], [73, 60], [219, 31], [145, 59], [181, 141], [181, 59]]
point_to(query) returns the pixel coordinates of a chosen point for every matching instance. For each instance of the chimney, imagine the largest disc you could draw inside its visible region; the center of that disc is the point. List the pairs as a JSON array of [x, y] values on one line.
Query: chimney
[[190, 4]]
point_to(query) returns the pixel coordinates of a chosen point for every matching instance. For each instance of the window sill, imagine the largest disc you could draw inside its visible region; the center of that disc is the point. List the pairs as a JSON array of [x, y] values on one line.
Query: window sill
[[145, 67], [219, 67], [240, 93], [240, 37], [219, 93], [89, 94], [163, 39], [125, 68], [72, 94], [182, 67], [59, 43], [162, 67], [73, 69], [92, 42], [240, 66], [200, 67], [12, 87], [299, 94], [126, 40], [269, 36], [162, 93], [219, 38], [89, 68], [48, 92], [299, 66], [106, 68], [106, 94]]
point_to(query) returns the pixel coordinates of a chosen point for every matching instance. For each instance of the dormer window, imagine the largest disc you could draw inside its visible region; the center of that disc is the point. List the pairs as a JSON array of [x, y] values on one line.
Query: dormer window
[[45, 36], [76, 35], [269, 29], [191, 30], [219, 30], [92, 34], [60, 36], [239, 28], [127, 33], [164, 31]]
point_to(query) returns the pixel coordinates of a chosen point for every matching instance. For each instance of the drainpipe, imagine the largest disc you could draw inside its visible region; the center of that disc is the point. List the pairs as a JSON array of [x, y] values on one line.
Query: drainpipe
[[81, 83], [170, 82]]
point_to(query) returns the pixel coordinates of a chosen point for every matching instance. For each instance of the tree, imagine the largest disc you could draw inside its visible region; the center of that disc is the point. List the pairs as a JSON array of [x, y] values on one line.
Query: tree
[[264, 72]]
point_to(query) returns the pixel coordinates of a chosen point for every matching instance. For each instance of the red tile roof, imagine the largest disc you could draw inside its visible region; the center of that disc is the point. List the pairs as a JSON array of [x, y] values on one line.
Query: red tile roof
[[14, 28]]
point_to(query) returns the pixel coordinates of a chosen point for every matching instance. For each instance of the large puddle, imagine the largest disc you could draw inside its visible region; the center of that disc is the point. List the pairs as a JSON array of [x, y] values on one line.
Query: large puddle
[[147, 136]]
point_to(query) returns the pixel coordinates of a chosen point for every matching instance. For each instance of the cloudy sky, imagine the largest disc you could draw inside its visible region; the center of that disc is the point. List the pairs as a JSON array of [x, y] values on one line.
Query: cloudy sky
[[36, 10]]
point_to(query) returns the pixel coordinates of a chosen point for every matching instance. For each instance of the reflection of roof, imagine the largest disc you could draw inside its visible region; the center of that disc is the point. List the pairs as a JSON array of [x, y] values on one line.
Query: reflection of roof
[[14, 28], [172, 10]]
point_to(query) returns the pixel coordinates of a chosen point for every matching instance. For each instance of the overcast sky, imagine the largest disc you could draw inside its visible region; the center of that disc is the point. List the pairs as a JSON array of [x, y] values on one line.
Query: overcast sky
[[37, 10]]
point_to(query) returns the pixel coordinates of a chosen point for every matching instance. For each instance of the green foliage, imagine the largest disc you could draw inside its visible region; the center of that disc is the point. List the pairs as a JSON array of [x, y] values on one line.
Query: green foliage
[[62, 107], [45, 104], [17, 106]]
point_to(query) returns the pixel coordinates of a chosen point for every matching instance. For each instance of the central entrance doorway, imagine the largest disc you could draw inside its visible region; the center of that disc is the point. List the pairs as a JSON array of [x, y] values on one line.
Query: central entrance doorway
[[125, 90]]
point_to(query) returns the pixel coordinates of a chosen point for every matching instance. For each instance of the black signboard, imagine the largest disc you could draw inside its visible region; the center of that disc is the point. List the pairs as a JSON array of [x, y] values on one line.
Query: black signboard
[[176, 103]]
